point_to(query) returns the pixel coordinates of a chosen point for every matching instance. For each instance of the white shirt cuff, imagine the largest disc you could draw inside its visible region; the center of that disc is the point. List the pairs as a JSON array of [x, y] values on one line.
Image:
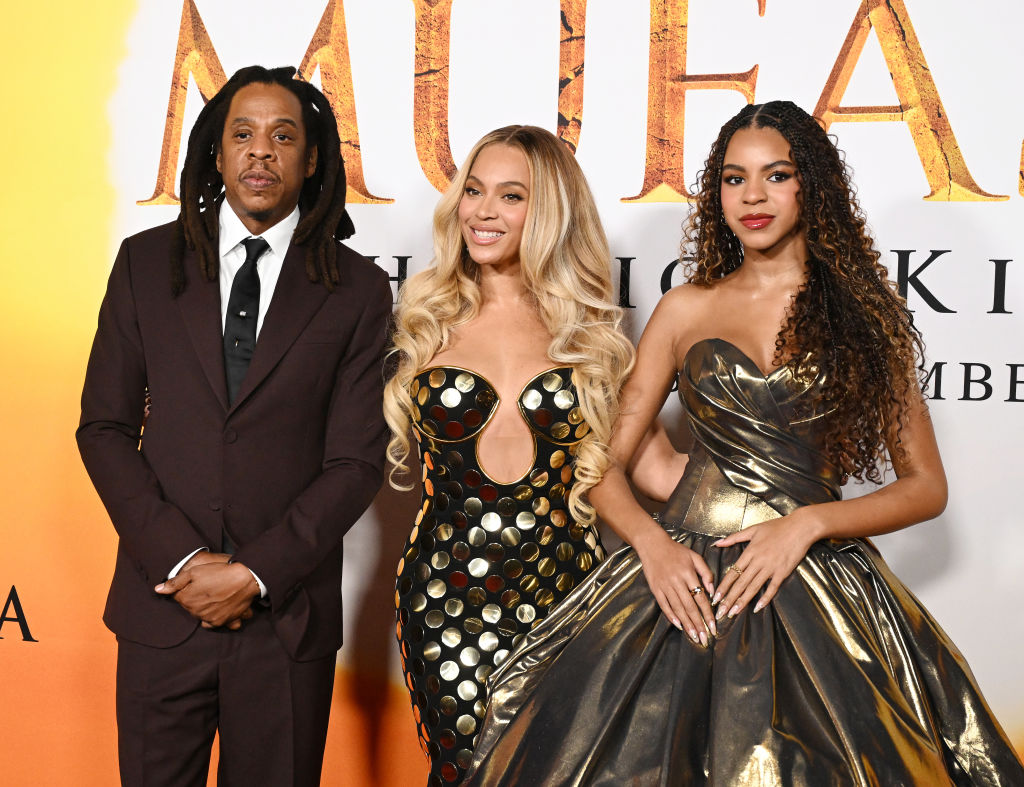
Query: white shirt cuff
[[263, 588], [174, 571]]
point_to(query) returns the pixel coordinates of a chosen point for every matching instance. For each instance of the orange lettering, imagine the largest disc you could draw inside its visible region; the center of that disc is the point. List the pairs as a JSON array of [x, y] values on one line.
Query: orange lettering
[[328, 49], [668, 82], [1020, 172], [430, 91], [195, 56], [920, 106], [431, 86], [571, 47]]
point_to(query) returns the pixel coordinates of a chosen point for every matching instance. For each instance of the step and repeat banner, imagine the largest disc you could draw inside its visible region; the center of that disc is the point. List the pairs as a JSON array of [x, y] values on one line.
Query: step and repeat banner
[[922, 95]]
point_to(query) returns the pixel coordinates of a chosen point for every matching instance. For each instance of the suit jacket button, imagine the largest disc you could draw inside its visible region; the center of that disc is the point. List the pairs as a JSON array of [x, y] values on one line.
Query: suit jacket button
[[230, 435], [215, 505]]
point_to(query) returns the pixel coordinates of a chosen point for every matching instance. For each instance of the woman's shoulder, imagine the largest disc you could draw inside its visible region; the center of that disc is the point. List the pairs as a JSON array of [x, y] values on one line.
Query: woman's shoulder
[[685, 298], [678, 316]]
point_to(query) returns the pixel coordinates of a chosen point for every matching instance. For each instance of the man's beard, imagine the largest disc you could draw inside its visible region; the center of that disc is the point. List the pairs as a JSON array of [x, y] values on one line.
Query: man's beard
[[260, 215]]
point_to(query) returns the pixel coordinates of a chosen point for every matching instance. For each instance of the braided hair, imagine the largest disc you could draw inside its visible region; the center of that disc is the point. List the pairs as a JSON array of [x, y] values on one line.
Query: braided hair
[[321, 201], [847, 320]]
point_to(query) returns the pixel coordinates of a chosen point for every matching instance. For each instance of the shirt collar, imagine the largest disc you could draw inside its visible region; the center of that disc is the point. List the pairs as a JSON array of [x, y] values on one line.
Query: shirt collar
[[233, 232]]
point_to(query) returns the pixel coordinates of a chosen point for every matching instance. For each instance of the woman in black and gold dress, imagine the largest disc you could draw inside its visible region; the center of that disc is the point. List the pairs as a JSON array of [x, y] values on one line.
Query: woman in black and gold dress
[[755, 637], [509, 364]]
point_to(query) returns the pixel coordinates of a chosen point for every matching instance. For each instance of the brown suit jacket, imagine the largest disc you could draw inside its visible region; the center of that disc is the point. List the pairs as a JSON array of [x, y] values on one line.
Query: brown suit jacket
[[285, 470]]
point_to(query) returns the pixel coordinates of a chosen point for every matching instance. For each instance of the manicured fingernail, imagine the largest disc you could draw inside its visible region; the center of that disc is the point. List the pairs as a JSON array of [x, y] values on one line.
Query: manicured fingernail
[[734, 611], [713, 627], [758, 606], [693, 636], [159, 587], [703, 639], [716, 543], [677, 624], [720, 614], [717, 598]]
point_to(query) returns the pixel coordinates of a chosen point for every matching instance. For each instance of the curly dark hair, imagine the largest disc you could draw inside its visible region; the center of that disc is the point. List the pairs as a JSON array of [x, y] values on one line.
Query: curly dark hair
[[322, 200], [847, 320]]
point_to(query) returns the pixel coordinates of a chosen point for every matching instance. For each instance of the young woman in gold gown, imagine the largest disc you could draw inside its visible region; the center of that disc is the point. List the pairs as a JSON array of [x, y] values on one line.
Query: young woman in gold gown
[[755, 637]]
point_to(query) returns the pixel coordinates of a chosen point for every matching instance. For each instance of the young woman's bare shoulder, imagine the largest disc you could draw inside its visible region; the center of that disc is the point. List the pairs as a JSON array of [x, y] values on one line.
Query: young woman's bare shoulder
[[681, 302], [675, 317]]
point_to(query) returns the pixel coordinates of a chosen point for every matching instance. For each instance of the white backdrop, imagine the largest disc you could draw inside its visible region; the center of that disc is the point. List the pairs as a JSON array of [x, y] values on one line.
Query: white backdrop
[[504, 64]]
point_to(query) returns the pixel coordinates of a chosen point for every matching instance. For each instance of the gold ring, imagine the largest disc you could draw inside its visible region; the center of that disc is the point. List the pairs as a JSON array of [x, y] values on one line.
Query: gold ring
[[696, 591], [734, 568]]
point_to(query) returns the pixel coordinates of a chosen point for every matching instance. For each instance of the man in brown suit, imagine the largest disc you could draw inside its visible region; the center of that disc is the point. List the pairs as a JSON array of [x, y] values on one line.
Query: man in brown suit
[[262, 446]]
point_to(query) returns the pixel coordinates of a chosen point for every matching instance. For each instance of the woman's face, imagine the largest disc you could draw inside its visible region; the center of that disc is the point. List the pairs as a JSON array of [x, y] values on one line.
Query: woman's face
[[761, 193], [492, 210]]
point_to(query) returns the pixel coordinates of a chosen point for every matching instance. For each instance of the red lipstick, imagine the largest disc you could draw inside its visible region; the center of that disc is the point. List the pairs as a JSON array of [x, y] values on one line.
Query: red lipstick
[[756, 221]]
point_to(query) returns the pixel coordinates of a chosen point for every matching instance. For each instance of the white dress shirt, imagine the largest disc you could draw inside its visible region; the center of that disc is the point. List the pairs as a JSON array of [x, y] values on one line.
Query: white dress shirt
[[232, 256]]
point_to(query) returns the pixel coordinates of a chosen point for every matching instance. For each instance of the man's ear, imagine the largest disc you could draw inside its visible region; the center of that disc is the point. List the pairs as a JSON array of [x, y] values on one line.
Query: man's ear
[[310, 161], [218, 161]]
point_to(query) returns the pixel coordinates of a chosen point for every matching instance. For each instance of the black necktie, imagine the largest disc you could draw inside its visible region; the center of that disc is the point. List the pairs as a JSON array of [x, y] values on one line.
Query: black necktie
[[240, 324]]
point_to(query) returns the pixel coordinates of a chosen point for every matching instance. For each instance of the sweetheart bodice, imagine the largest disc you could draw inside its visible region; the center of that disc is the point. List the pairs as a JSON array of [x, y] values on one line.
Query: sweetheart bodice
[[452, 408], [452, 404], [758, 442], [721, 369]]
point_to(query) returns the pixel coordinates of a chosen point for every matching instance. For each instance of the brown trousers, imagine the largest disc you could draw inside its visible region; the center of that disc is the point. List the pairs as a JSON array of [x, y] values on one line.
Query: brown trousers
[[271, 712]]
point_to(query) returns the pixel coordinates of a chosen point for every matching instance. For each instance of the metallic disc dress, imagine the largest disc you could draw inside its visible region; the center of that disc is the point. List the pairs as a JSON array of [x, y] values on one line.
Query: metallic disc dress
[[843, 679], [485, 560]]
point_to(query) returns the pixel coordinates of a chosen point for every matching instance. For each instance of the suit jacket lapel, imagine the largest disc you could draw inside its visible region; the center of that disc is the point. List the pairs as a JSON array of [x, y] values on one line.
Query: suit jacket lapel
[[296, 299], [200, 309]]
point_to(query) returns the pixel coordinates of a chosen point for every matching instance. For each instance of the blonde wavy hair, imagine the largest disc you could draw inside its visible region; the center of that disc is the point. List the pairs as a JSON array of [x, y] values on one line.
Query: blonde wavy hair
[[565, 264]]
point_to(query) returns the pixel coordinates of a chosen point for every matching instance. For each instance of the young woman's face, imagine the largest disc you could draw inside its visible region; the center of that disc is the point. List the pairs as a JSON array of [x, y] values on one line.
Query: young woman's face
[[492, 210], [761, 193]]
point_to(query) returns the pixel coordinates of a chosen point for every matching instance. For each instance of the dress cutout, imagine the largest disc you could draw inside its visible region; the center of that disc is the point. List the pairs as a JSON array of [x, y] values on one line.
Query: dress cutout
[[485, 560], [843, 679]]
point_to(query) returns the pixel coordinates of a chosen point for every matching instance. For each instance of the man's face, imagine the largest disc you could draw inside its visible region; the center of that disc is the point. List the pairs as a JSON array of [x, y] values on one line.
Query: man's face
[[263, 157]]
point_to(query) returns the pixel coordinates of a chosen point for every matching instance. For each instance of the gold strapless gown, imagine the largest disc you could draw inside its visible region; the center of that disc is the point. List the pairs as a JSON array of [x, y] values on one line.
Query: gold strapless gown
[[844, 679]]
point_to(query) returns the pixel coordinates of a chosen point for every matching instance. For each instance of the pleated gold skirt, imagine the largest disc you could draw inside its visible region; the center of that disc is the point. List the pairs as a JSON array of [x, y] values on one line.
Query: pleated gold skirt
[[844, 679]]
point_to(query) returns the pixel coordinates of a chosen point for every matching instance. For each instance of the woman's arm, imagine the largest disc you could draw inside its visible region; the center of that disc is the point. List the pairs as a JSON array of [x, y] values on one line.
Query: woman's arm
[[656, 466], [672, 570], [776, 547]]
